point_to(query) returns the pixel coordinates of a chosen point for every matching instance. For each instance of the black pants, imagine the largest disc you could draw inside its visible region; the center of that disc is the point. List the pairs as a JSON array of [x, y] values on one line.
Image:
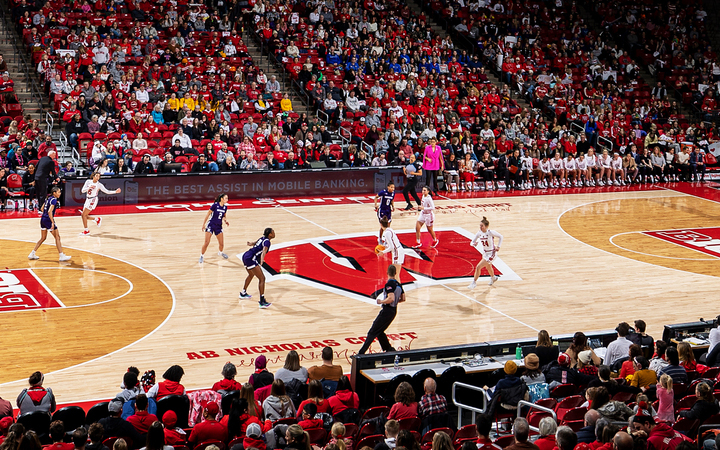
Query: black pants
[[41, 185], [377, 330], [410, 188], [432, 180]]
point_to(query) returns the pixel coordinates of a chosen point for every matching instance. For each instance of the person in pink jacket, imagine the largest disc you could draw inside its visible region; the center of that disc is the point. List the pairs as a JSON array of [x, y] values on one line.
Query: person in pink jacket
[[433, 163], [666, 397]]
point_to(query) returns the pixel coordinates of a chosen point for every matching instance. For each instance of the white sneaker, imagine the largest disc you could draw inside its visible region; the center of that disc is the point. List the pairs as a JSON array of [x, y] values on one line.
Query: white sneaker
[[64, 257], [600, 183], [32, 255], [202, 259], [223, 255], [85, 232], [622, 183], [472, 285], [617, 183], [492, 280], [98, 221]]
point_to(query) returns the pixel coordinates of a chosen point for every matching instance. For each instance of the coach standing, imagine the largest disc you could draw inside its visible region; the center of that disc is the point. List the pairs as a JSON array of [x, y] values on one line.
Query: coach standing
[[394, 294], [44, 171]]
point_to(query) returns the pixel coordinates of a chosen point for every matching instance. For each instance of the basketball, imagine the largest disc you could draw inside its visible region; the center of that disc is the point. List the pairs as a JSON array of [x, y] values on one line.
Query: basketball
[[379, 248]]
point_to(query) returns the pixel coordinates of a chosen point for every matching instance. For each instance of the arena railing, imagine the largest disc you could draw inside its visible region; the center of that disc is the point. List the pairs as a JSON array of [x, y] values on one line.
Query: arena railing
[[320, 113], [605, 143], [531, 405], [462, 407]]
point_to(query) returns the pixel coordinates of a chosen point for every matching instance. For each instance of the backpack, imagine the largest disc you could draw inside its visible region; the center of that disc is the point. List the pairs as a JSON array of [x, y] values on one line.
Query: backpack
[[292, 389], [538, 391], [329, 387]]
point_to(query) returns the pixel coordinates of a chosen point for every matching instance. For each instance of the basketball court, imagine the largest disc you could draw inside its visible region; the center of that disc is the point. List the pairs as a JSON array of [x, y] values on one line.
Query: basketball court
[[134, 293]]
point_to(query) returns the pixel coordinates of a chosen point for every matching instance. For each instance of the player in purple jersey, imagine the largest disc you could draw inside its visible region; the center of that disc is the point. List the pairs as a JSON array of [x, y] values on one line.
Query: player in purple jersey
[[213, 224], [386, 198], [47, 223], [253, 260]]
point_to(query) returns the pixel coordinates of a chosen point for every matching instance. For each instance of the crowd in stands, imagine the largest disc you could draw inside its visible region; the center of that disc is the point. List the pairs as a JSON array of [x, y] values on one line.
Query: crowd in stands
[[639, 393]]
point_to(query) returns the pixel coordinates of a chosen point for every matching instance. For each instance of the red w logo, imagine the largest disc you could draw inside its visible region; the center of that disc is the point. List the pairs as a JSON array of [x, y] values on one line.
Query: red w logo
[[348, 264]]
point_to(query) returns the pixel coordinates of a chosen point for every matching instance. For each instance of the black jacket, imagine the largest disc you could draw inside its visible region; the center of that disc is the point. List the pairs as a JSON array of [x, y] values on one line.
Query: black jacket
[[45, 168], [143, 168], [701, 410]]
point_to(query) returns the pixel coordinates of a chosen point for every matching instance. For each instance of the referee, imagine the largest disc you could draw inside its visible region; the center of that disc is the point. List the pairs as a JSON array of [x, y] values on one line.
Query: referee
[[413, 172], [394, 294]]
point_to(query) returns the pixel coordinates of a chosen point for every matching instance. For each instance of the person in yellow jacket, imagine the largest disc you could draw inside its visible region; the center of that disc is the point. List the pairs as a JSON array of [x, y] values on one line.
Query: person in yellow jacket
[[286, 104], [188, 101], [174, 102]]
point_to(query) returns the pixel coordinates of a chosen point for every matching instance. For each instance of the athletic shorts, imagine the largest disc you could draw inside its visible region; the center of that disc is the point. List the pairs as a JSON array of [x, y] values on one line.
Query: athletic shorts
[[46, 223], [384, 213], [214, 229], [488, 256], [398, 256], [90, 203], [427, 218], [249, 261]]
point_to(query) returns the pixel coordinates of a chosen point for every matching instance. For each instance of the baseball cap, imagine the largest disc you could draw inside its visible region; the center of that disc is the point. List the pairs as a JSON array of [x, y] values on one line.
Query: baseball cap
[[115, 406], [212, 408], [169, 419], [253, 430]]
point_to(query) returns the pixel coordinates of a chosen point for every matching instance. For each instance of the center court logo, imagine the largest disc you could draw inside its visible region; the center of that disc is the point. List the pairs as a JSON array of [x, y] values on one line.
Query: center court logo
[[705, 240], [22, 290], [347, 264]]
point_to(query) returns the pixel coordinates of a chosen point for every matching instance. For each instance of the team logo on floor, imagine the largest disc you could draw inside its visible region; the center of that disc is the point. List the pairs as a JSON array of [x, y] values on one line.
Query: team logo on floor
[[347, 264], [705, 240], [22, 290]]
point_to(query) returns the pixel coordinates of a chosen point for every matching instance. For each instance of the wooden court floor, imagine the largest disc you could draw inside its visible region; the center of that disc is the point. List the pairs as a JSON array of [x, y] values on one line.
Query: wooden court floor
[[135, 294]]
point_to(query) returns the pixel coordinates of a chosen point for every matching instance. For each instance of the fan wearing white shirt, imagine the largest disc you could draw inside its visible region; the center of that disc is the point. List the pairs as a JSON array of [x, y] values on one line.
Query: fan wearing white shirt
[[92, 188], [489, 250]]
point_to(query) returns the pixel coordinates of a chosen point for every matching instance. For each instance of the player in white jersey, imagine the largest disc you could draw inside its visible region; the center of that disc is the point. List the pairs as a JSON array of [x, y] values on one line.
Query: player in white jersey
[[582, 170], [618, 173], [92, 189], [605, 164], [489, 250], [427, 218], [593, 167], [392, 244], [557, 170], [543, 173], [527, 168], [571, 170]]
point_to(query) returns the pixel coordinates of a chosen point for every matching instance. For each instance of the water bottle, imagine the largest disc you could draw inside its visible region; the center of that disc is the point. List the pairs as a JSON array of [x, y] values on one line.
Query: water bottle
[[518, 352], [397, 361]]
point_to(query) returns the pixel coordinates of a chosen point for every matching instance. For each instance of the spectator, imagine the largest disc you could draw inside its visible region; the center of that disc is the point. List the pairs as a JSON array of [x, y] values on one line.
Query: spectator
[[184, 139], [344, 398], [132, 387], [714, 338], [643, 377], [292, 369], [142, 420], [566, 438], [544, 349], [704, 407], [95, 433], [627, 369], [262, 377], [521, 431], [327, 370], [228, 383], [201, 165], [170, 384], [431, 402], [686, 355], [173, 435], [405, 405], [674, 369], [666, 399], [586, 434], [6, 409], [510, 379], [209, 428], [79, 438], [155, 439], [307, 417], [618, 348], [114, 425], [36, 397], [660, 436], [547, 428], [315, 396], [658, 362], [610, 409], [57, 434], [532, 374], [144, 166], [639, 337], [579, 344]]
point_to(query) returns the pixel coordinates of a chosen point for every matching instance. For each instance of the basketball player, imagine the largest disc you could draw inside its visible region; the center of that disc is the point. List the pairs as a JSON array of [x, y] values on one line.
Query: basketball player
[[583, 171], [394, 294], [47, 223], [593, 166], [92, 189], [543, 172], [392, 244], [489, 249], [557, 170], [605, 165], [387, 206], [217, 215], [253, 260], [618, 173], [571, 170], [427, 217]]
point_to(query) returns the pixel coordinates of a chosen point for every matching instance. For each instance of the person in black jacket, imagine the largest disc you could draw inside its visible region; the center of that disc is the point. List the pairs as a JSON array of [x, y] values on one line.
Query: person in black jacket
[[586, 434], [144, 166], [512, 180], [115, 425], [73, 130], [28, 182], [201, 165], [45, 172], [291, 163], [704, 407], [544, 349]]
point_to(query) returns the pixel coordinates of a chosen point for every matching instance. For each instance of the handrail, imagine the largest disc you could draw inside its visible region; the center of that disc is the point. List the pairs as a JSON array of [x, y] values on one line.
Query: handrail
[[50, 122], [574, 127], [344, 141], [522, 403], [609, 144], [371, 150], [326, 119], [462, 406]]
